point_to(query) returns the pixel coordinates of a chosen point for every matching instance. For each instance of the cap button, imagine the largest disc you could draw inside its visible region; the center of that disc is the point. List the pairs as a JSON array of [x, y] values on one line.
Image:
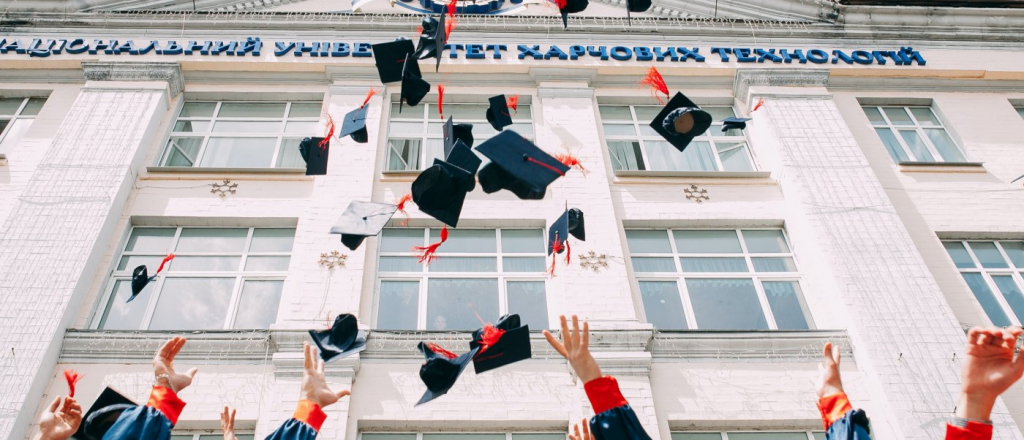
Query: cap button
[[526, 157]]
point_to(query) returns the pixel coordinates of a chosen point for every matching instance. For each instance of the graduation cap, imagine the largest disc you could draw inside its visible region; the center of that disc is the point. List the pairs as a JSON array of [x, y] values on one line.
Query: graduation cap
[[414, 88], [361, 220], [680, 121], [453, 132], [355, 125], [463, 163], [102, 414], [734, 123], [390, 60], [432, 39], [570, 223], [636, 6], [571, 7], [498, 113], [141, 278], [314, 151], [518, 166], [441, 369], [343, 339], [501, 344], [438, 192]]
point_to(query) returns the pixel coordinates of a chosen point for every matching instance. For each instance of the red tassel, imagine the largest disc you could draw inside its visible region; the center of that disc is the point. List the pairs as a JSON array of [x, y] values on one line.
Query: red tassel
[[656, 82], [440, 100], [760, 102], [513, 103], [368, 96], [401, 208], [568, 252], [428, 253], [330, 133], [72, 377], [441, 351], [560, 3], [451, 11], [556, 247], [449, 25], [570, 160], [419, 30], [490, 337], [169, 257], [530, 159]]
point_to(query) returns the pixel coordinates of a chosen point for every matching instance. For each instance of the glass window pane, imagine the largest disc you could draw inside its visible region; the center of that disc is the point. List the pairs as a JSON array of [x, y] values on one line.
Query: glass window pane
[[648, 242], [187, 126], [305, 110], [464, 264], [698, 156], [33, 106], [924, 116], [465, 112], [521, 241], [781, 264], [646, 264], [126, 316], [987, 254], [787, 303], [522, 113], [248, 126], [523, 264], [272, 240], [958, 253], [898, 116], [713, 264], [266, 264], [400, 264], [453, 303], [368, 436], [397, 306], [1011, 293], [538, 436], [10, 106], [765, 241], [646, 113], [524, 129], [434, 150], [767, 436], [528, 300], [466, 240], [181, 437], [646, 130], [619, 130], [818, 435], [3, 125], [986, 298], [239, 152], [917, 146], [1014, 250], [193, 304], [725, 304], [399, 128], [131, 262], [663, 305], [289, 156], [400, 240], [615, 113], [150, 240], [696, 436], [252, 110], [447, 436], [183, 151], [626, 156], [945, 145], [197, 109], [231, 240], [14, 133], [874, 115], [1020, 111], [257, 308], [719, 113], [404, 154], [707, 241], [300, 127], [204, 264], [734, 156], [892, 145]]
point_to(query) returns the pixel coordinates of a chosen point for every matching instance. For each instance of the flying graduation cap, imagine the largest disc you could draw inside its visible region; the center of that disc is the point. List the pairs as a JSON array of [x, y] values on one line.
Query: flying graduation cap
[[414, 88], [355, 125], [636, 6], [315, 151], [734, 123], [102, 414], [439, 191], [566, 7], [390, 60], [441, 369], [432, 39], [680, 121], [453, 132], [498, 113], [501, 344], [141, 278], [343, 338], [569, 223], [518, 166], [361, 220]]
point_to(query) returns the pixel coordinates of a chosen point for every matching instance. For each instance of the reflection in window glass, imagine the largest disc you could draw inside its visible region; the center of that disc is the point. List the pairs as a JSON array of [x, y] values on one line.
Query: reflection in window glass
[[997, 283], [913, 134], [16, 116], [663, 304]]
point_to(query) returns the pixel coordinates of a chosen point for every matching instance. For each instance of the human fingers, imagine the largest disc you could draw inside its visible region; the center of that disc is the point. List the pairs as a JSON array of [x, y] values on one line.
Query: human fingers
[[566, 339], [555, 344]]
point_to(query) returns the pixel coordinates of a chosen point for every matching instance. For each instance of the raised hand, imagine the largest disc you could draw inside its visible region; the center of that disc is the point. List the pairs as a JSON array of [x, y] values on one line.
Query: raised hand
[[830, 383], [575, 347], [60, 419], [314, 384], [988, 370], [227, 424], [163, 366], [586, 431]]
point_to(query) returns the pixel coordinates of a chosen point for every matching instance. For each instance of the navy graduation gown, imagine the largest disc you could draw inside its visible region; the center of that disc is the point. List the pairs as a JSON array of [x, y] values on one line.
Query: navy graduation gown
[[615, 419]]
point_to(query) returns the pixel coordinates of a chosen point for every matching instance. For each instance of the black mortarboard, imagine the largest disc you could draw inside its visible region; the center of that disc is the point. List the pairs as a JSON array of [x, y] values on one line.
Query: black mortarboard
[[636, 6], [390, 59], [513, 345], [343, 339], [355, 125], [734, 123], [439, 372], [414, 88], [498, 113], [315, 155], [518, 166], [453, 132], [680, 121], [572, 7], [438, 192], [102, 415], [465, 159], [141, 278], [571, 222], [432, 39], [361, 220]]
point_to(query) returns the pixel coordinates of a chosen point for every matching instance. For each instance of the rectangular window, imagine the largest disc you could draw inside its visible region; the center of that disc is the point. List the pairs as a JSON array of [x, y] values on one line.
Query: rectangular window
[[416, 138], [753, 435], [481, 274], [718, 279], [462, 436], [16, 116], [221, 278], [225, 134], [635, 146], [1020, 111], [913, 134], [994, 271]]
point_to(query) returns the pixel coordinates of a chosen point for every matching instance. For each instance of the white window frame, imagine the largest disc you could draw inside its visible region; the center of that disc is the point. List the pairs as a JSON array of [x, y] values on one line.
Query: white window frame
[[424, 275], [508, 435], [153, 297], [197, 433], [920, 129], [986, 273], [679, 277], [725, 434], [281, 136], [13, 119], [713, 136]]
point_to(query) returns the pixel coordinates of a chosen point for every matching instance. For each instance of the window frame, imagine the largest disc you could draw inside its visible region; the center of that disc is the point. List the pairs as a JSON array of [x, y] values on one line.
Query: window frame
[[725, 434], [198, 433], [757, 278], [424, 275], [708, 136], [508, 435], [240, 275], [18, 115], [919, 129], [1016, 273]]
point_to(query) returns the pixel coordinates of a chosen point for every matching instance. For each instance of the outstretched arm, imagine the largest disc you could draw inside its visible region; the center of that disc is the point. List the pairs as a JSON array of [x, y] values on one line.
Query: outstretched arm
[[989, 369], [60, 420], [316, 395], [832, 401], [160, 414]]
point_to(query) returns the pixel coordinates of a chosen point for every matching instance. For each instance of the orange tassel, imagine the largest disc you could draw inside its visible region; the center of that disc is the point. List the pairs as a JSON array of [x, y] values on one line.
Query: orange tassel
[[449, 25], [490, 337], [451, 11], [513, 103], [570, 160], [568, 252], [72, 377], [428, 253], [556, 247], [169, 257], [760, 102], [368, 96], [401, 203], [419, 30], [656, 82], [330, 133], [441, 351], [560, 3], [440, 100]]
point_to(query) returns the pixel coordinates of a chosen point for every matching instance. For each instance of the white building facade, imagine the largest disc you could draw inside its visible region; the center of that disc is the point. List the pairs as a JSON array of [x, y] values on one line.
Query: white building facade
[[869, 203]]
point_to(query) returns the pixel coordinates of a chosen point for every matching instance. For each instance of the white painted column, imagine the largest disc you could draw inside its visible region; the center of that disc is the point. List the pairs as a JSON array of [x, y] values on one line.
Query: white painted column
[[58, 228]]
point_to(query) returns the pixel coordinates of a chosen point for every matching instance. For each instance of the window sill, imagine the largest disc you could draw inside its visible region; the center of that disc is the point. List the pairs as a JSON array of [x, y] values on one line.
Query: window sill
[[3, 159], [192, 172], [740, 177], [399, 176], [753, 345], [942, 167]]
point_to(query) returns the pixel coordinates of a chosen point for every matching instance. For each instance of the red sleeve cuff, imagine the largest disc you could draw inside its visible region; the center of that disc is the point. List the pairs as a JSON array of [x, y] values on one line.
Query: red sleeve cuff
[[973, 431], [833, 407], [166, 401], [310, 413], [604, 394]]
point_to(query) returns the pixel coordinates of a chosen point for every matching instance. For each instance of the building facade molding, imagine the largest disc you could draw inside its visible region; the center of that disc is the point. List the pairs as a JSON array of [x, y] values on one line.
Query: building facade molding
[[764, 346], [746, 78], [136, 71]]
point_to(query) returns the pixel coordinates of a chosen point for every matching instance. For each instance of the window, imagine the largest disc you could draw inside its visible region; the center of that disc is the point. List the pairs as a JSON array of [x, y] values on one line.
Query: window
[[221, 278], [994, 271], [913, 134], [209, 436], [479, 272], [241, 134], [635, 146], [416, 138], [1020, 111], [16, 116], [718, 279], [463, 436], [754, 435]]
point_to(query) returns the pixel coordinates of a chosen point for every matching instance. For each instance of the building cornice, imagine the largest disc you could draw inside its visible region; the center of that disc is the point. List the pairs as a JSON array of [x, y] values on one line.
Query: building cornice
[[169, 72], [758, 346], [746, 78]]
